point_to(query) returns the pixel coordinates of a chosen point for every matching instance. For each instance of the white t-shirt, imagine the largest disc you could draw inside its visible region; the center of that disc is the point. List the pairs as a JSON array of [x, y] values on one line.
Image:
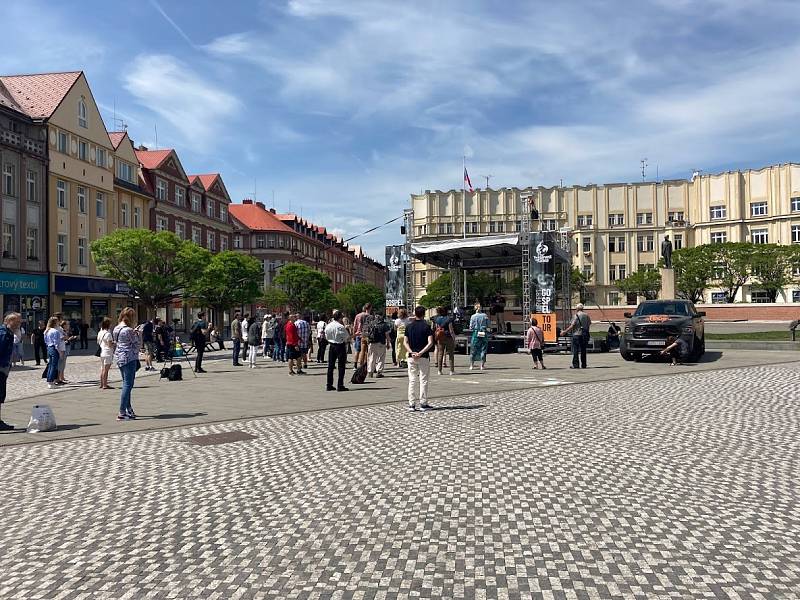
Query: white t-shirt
[[104, 339], [320, 329], [245, 325], [18, 334]]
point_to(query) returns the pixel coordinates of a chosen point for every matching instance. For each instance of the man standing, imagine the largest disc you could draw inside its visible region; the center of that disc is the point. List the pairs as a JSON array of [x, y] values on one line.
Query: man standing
[[579, 327], [292, 342], [10, 324], [148, 340], [245, 330], [84, 335], [337, 338], [198, 335], [37, 340], [321, 340], [358, 326], [418, 342], [279, 339], [376, 353], [303, 333], [267, 333], [236, 336]]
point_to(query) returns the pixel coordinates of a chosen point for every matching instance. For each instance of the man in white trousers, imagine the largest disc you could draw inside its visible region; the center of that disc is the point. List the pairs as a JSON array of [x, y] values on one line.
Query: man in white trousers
[[418, 342]]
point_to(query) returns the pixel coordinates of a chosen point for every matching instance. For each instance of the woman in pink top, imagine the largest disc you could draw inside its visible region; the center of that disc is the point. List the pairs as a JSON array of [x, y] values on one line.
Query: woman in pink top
[[534, 341]]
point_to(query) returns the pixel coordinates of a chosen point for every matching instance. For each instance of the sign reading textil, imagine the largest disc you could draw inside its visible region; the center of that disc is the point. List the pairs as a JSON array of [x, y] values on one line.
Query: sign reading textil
[[23, 284], [543, 272], [395, 276]]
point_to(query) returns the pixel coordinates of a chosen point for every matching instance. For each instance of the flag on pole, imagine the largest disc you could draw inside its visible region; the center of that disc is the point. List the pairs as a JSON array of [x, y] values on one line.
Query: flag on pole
[[467, 182]]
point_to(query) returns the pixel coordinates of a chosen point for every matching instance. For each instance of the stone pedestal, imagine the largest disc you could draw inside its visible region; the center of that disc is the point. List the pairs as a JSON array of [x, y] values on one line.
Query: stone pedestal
[[667, 284]]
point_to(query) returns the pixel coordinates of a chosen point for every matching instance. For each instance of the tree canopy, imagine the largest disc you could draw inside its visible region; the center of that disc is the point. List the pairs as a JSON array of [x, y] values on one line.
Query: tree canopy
[[644, 282], [229, 279], [304, 287], [351, 298], [694, 269]]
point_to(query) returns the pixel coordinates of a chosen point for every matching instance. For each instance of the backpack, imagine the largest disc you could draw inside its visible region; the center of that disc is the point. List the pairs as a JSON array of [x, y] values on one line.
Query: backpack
[[368, 327], [175, 373], [359, 375], [439, 334]]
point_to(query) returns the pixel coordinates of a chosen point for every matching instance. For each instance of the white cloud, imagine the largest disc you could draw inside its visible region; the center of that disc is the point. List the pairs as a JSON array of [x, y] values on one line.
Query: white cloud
[[195, 107]]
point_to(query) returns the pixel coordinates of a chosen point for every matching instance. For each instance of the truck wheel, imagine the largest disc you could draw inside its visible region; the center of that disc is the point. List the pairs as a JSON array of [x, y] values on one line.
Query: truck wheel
[[627, 355]]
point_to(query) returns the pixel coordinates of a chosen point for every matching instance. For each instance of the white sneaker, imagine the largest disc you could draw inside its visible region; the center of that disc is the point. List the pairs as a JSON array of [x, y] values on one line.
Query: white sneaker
[[51, 386], [439, 371], [411, 409], [452, 372], [483, 366], [471, 367]]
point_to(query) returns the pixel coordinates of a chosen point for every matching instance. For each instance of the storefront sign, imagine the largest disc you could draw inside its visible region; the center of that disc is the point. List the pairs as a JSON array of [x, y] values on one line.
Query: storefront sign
[[65, 284], [23, 284], [72, 305]]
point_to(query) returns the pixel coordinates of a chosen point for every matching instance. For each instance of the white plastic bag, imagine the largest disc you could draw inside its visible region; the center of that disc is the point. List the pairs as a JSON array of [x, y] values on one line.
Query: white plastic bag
[[42, 419]]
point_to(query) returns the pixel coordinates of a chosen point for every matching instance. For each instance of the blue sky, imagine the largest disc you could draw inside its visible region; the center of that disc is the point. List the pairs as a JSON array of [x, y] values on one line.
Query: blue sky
[[344, 108]]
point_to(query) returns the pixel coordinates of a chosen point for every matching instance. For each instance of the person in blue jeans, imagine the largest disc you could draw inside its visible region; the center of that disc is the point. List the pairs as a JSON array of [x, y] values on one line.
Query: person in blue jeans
[[126, 355], [53, 338], [579, 327]]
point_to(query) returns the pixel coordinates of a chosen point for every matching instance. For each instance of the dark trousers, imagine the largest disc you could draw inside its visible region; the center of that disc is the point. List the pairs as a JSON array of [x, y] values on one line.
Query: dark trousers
[[3, 379], [201, 349], [337, 352], [579, 343], [84, 343], [237, 347], [322, 343], [40, 352], [393, 343]]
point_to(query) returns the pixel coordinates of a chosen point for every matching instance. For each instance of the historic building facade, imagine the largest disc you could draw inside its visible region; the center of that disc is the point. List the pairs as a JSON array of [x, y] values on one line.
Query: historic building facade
[[617, 228]]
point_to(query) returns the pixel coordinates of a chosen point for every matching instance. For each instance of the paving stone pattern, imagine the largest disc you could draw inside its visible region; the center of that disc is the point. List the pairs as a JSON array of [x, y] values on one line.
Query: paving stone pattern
[[675, 487]]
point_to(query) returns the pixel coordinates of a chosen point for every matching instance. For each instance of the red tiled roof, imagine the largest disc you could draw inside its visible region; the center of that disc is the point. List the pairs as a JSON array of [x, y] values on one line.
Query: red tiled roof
[[152, 159], [208, 179], [256, 218], [7, 101], [116, 138], [193, 178], [39, 95]]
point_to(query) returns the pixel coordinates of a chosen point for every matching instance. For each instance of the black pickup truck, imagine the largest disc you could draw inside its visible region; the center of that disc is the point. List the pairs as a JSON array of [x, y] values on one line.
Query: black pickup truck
[[647, 330]]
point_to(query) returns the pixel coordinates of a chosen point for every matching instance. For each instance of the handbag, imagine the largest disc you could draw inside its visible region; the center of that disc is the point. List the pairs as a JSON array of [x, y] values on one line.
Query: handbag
[[98, 351]]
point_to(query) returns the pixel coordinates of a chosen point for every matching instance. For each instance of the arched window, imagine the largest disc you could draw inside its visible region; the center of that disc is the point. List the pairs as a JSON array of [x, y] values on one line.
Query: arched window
[[82, 113]]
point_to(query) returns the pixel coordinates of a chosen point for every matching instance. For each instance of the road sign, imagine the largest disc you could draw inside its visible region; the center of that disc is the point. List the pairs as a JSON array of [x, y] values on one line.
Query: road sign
[[547, 323]]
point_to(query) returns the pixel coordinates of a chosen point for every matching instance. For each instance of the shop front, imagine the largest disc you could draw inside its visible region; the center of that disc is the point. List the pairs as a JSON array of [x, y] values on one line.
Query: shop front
[[89, 299], [26, 294]]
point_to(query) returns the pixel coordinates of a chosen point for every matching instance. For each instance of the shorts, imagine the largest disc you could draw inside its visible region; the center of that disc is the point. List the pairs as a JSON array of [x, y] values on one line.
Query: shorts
[[106, 360], [292, 352], [150, 348]]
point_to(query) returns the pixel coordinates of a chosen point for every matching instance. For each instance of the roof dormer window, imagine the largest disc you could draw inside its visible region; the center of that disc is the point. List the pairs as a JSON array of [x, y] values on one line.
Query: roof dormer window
[[82, 120]]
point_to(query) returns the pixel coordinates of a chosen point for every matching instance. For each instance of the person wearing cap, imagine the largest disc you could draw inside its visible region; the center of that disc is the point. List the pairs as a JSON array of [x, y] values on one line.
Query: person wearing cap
[[338, 338], [579, 327]]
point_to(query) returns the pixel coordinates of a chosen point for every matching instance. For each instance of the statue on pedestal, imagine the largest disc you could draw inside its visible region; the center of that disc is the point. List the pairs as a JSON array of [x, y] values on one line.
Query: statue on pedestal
[[666, 252]]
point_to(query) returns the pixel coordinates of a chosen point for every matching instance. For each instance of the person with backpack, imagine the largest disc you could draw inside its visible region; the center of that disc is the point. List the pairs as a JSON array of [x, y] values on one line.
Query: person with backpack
[[579, 327], [479, 325], [253, 341], [376, 352], [534, 341], [445, 337], [198, 335]]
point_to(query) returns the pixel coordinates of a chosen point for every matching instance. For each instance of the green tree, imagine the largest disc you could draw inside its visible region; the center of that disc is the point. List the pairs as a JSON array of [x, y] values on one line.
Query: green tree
[[481, 286], [772, 265], [326, 303], [733, 266], [351, 298], [275, 298], [229, 279], [644, 282], [694, 268], [438, 292], [156, 266], [303, 286]]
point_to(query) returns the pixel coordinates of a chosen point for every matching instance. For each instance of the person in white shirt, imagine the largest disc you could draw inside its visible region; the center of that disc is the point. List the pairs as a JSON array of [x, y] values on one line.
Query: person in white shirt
[[245, 327], [321, 341], [105, 340], [337, 337]]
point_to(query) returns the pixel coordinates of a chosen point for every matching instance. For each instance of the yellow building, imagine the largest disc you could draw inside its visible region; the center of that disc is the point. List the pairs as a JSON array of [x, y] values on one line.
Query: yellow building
[[618, 228], [132, 201], [81, 189]]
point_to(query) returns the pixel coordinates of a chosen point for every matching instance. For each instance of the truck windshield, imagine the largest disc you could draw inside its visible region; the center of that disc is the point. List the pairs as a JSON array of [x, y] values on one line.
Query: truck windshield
[[663, 308]]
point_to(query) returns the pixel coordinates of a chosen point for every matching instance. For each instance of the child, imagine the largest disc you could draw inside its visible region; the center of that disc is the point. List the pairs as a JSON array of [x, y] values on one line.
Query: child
[[534, 341], [676, 349]]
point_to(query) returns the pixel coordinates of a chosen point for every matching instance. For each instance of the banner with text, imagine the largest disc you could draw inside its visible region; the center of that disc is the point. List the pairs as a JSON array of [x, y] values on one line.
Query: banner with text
[[543, 272], [395, 276]]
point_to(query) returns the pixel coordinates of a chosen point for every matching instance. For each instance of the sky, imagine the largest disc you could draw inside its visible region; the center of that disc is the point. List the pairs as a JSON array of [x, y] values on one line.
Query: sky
[[340, 109]]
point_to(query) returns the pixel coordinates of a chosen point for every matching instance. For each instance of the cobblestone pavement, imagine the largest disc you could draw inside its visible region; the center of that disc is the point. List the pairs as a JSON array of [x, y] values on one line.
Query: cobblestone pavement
[[674, 487]]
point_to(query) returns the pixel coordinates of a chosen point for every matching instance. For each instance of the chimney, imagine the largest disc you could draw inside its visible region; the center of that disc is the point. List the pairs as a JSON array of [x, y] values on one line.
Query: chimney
[[143, 148], [272, 210], [247, 201], [261, 205]]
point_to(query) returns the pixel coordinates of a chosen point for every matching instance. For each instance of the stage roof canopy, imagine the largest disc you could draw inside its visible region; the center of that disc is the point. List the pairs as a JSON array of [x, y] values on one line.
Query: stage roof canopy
[[485, 252]]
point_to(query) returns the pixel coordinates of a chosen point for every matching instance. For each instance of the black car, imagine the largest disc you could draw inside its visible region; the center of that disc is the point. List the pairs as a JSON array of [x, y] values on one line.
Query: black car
[[647, 330]]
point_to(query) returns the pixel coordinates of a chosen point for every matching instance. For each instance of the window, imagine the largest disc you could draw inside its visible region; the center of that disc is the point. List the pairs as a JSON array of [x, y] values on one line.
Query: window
[[612, 273], [678, 242], [616, 244], [423, 278], [212, 241], [223, 215], [718, 270], [621, 271], [32, 243], [644, 243], [518, 226], [613, 298], [100, 156], [280, 241], [587, 245], [795, 204], [83, 150], [440, 228], [82, 121], [223, 242], [210, 208], [449, 228], [31, 182], [644, 218], [61, 249], [260, 241], [758, 209], [492, 227], [9, 179], [760, 297], [100, 205], [196, 235], [162, 224], [82, 251], [718, 297], [196, 202], [237, 241], [180, 229], [271, 242], [795, 295], [125, 171], [760, 236], [472, 227], [161, 189], [9, 240], [63, 142], [719, 237], [616, 219], [796, 234], [501, 227], [675, 216], [137, 217], [61, 193], [584, 220], [180, 195], [124, 213], [718, 212], [549, 225], [587, 272]]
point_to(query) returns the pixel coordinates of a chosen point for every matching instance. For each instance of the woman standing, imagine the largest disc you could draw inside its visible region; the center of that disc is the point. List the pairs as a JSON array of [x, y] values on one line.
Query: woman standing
[[126, 353], [18, 352], [53, 339], [534, 341], [63, 350], [400, 347], [445, 337], [105, 340], [479, 325], [254, 341]]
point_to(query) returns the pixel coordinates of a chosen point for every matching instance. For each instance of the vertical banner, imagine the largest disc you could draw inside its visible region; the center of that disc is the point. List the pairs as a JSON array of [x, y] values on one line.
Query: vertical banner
[[543, 272], [395, 276]]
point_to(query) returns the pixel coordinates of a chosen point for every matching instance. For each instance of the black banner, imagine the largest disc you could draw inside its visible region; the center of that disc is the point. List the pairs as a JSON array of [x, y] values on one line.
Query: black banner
[[543, 271], [395, 276]]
